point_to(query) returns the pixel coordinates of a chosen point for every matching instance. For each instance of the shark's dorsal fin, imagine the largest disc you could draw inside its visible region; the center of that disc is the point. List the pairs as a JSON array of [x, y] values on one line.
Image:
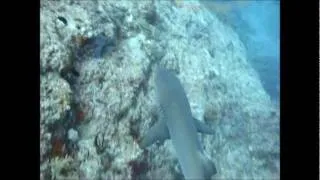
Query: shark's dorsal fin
[[202, 127]]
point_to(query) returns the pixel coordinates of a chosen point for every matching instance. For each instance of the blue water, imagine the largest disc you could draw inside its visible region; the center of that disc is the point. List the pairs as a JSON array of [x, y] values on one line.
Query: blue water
[[258, 25]]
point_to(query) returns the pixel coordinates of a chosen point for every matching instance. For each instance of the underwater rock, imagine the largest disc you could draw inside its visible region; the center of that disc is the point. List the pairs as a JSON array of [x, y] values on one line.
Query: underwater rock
[[55, 98], [96, 47], [118, 92], [73, 135]]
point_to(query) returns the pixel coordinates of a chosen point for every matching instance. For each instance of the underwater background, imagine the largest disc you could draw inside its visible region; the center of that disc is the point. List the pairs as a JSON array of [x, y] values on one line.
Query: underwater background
[[97, 91], [258, 26]]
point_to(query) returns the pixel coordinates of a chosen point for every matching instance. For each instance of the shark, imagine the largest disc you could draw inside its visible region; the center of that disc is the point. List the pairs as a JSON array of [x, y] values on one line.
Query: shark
[[176, 122]]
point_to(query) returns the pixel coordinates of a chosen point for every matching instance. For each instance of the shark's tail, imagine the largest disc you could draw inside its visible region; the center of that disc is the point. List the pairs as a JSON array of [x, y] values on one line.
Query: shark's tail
[[208, 166]]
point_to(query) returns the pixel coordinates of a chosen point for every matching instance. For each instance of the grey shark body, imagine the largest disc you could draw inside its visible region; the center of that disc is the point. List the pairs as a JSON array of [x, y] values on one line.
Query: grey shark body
[[177, 123]]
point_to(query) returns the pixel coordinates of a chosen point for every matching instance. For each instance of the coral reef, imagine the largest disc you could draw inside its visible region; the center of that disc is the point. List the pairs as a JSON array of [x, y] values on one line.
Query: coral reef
[[93, 111]]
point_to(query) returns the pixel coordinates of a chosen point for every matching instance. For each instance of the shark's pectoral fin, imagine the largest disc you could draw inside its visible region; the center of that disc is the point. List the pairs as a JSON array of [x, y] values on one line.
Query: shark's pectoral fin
[[158, 132], [202, 127], [208, 166]]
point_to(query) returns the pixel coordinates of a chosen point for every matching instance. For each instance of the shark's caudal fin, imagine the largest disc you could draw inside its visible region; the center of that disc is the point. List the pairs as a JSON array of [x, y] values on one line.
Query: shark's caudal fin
[[208, 166]]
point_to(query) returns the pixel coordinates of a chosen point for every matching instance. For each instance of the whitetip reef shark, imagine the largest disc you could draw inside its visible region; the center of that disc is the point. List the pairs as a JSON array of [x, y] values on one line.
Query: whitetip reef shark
[[177, 123]]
